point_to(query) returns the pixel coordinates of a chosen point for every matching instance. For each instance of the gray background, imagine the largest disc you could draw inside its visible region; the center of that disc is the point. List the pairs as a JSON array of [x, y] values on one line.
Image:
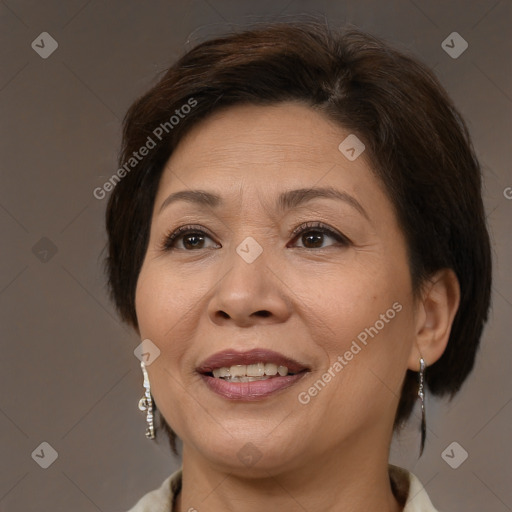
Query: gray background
[[69, 376]]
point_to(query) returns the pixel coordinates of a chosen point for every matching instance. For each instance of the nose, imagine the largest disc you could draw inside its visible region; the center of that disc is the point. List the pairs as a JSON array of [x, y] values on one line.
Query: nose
[[249, 293]]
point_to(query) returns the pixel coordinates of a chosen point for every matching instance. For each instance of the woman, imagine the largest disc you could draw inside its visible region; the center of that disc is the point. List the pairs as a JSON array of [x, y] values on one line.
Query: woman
[[298, 237]]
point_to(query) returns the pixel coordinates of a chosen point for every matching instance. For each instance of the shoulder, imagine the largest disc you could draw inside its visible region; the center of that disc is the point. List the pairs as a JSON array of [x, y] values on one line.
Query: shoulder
[[160, 499], [410, 491]]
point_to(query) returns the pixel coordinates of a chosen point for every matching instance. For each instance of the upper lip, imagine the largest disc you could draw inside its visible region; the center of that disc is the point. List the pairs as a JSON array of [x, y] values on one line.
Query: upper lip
[[228, 358]]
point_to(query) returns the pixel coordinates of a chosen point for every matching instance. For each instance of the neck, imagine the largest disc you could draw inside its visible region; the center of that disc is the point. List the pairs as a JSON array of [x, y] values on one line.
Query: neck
[[345, 480]]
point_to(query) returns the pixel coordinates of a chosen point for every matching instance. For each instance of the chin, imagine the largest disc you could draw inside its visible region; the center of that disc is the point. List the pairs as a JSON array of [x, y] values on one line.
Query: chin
[[246, 453]]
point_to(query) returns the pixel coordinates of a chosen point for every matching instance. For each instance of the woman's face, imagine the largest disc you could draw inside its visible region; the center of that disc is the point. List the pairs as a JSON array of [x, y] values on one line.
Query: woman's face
[[335, 307]]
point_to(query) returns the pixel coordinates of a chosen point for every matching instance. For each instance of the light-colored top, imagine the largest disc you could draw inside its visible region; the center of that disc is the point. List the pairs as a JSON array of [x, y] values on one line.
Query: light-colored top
[[405, 485]]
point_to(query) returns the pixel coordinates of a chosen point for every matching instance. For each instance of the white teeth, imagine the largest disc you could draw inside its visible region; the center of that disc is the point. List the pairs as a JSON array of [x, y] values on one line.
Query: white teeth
[[283, 371], [270, 369], [221, 372], [238, 370], [250, 372], [255, 370]]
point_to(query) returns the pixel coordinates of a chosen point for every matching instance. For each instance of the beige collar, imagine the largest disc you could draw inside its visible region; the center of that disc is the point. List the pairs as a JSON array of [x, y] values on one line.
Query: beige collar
[[406, 487]]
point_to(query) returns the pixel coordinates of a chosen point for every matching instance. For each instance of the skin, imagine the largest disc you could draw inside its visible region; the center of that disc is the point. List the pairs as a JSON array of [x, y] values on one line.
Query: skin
[[306, 299]]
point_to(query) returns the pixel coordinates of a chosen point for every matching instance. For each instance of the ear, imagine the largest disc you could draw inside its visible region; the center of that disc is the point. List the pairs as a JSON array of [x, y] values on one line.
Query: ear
[[435, 311]]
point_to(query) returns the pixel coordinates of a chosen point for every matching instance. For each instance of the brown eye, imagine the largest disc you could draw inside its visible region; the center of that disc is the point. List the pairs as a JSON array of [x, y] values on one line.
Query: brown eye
[[191, 237], [192, 240], [313, 235]]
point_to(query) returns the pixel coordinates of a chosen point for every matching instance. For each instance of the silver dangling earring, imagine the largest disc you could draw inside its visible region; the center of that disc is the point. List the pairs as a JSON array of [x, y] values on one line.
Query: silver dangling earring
[[421, 395], [146, 404]]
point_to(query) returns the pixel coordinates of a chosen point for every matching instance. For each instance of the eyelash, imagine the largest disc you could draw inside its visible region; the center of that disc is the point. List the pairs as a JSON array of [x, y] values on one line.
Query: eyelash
[[173, 236]]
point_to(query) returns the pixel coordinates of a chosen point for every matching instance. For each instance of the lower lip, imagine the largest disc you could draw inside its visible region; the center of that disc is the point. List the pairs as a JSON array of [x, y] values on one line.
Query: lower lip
[[250, 391]]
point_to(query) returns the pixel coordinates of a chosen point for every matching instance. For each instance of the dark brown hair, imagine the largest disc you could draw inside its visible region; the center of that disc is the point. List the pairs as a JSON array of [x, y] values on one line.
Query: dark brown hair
[[416, 140]]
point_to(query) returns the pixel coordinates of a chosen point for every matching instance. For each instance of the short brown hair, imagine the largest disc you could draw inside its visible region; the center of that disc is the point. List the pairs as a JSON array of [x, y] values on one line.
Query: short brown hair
[[416, 140]]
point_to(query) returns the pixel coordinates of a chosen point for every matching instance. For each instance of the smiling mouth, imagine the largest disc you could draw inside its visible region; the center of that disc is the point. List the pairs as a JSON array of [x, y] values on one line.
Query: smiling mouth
[[252, 375]]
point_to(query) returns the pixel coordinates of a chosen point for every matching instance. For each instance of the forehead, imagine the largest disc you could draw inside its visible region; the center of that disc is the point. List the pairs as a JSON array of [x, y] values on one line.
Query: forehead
[[255, 151], [287, 143]]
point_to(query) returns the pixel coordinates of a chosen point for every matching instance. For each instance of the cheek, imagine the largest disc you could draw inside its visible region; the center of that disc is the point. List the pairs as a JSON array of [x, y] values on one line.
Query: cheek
[[161, 305], [363, 314], [170, 302], [164, 296], [352, 298]]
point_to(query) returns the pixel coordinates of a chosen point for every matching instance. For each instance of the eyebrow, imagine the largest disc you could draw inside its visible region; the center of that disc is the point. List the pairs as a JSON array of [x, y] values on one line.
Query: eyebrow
[[287, 200]]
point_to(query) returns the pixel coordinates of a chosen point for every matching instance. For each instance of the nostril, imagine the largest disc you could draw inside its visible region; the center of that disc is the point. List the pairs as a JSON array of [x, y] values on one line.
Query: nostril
[[263, 313]]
